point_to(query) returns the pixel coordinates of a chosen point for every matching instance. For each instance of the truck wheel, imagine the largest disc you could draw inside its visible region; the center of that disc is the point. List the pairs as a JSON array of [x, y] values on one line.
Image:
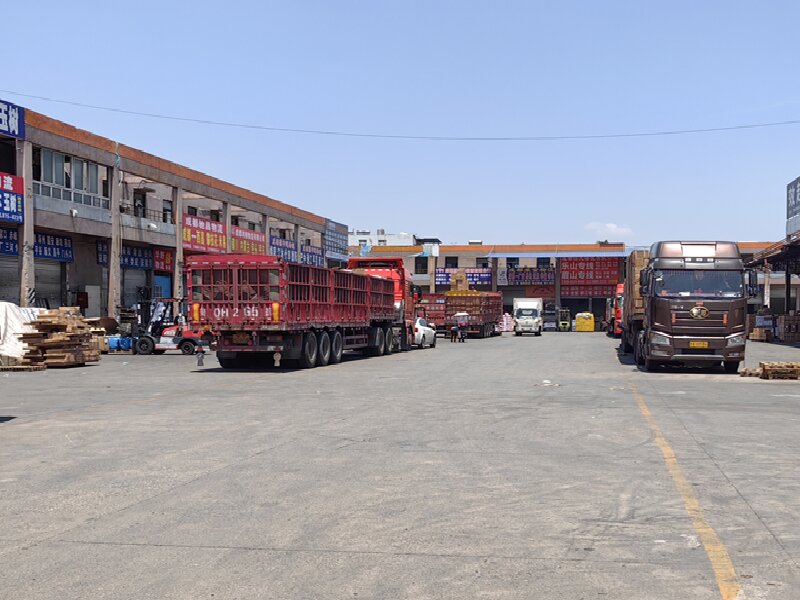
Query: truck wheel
[[731, 366], [145, 345], [229, 363], [323, 349], [388, 340], [337, 347], [637, 353], [308, 353], [187, 347], [380, 341], [649, 365]]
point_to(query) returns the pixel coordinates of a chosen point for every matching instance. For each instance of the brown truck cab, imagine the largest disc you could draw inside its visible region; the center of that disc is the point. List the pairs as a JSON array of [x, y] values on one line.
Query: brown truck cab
[[695, 305]]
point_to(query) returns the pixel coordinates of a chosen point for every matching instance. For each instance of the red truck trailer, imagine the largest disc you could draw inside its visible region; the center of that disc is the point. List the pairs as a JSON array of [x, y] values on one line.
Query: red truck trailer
[[484, 310], [405, 294], [432, 308], [266, 309]]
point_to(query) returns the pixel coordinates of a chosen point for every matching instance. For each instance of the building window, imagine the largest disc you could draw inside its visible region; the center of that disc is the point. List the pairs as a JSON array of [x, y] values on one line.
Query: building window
[[543, 263], [482, 263], [381, 242], [191, 211], [251, 226], [421, 265], [139, 203], [362, 242], [235, 221], [214, 215], [450, 262], [167, 211], [512, 262]]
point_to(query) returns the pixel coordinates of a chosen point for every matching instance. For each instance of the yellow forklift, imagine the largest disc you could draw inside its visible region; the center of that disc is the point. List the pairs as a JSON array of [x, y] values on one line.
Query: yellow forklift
[[564, 322]]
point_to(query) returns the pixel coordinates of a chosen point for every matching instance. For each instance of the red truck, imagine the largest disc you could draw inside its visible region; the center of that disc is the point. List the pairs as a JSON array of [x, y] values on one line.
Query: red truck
[[406, 294], [483, 311], [432, 308], [266, 309]]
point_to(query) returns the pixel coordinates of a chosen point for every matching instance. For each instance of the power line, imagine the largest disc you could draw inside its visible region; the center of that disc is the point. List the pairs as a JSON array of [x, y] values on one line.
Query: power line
[[438, 138]]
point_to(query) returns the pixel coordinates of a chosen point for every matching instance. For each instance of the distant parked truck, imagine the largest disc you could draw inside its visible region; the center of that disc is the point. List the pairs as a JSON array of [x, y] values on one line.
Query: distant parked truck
[[686, 302], [484, 309], [265, 309], [432, 308], [614, 312], [528, 316]]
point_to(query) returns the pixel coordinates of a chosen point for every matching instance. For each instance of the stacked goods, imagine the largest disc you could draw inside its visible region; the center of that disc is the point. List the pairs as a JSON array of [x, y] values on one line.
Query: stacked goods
[[458, 281], [483, 311], [61, 338], [507, 323], [634, 304], [431, 307], [789, 328], [780, 370], [760, 334]]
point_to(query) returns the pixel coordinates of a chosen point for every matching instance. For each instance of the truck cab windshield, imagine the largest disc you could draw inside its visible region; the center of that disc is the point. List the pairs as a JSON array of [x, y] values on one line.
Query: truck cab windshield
[[527, 313], [698, 283]]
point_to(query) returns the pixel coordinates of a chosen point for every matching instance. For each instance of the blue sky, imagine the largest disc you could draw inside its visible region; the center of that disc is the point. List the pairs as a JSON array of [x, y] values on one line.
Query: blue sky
[[452, 69]]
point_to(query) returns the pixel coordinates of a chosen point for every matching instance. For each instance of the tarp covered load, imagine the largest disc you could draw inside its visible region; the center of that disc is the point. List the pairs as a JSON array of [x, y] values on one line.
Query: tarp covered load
[[14, 321]]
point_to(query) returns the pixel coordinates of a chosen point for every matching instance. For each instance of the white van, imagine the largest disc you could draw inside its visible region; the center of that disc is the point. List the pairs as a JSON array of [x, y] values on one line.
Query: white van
[[528, 316]]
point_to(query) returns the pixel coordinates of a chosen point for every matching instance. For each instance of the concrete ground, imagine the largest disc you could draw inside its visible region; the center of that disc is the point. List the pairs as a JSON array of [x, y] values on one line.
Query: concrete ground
[[503, 468]]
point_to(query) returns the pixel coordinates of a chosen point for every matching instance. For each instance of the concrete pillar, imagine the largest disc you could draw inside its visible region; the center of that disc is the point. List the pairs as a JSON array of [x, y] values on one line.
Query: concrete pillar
[[494, 274], [226, 218], [558, 282], [115, 245], [297, 241], [432, 273], [177, 273], [26, 237], [788, 284], [265, 229]]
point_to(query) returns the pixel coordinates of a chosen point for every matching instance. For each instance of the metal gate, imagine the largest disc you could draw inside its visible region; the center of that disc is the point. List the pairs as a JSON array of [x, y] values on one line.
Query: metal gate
[[9, 279], [49, 278]]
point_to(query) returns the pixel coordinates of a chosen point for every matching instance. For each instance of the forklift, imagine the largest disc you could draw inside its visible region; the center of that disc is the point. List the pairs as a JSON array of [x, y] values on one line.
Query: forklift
[[160, 326], [564, 319]]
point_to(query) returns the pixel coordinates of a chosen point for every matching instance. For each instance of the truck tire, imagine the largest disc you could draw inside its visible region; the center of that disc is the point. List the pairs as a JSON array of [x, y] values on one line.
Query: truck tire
[[380, 341], [145, 345], [388, 340], [337, 347], [626, 345], [638, 355], [731, 366], [323, 349], [230, 363], [518, 333], [308, 353], [187, 347], [649, 365]]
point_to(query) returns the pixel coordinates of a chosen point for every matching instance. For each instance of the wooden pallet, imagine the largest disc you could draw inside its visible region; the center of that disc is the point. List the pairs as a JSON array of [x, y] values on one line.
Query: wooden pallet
[[750, 373], [62, 338], [780, 370]]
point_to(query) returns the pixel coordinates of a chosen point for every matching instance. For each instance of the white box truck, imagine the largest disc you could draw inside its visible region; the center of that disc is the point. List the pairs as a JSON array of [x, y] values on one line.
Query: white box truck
[[528, 317]]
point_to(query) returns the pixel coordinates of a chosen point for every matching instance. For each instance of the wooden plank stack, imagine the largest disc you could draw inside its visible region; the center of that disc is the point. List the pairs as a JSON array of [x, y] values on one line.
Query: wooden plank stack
[[774, 370], [62, 338]]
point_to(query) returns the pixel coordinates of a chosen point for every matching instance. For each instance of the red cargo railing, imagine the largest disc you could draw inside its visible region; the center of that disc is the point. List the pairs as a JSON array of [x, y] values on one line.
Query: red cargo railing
[[249, 292]]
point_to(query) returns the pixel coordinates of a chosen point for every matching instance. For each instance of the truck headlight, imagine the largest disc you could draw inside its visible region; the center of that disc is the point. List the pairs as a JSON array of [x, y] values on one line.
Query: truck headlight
[[735, 340], [659, 339]]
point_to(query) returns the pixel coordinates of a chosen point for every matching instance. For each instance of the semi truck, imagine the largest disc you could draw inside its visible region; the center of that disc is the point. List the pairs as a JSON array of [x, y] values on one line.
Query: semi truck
[[265, 309], [528, 316], [483, 309], [686, 302], [406, 294], [432, 307]]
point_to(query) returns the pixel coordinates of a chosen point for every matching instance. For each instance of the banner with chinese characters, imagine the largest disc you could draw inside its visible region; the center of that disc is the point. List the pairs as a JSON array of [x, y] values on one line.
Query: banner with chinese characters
[[547, 292], [12, 189], [53, 247], [130, 257], [589, 271], [475, 276], [285, 249], [588, 291], [50, 247], [335, 241], [163, 259], [9, 245], [247, 241], [12, 120], [204, 235], [530, 276], [312, 255]]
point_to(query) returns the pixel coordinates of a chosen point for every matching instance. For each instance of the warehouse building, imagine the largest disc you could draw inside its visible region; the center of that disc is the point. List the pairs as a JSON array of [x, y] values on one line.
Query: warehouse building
[[87, 221]]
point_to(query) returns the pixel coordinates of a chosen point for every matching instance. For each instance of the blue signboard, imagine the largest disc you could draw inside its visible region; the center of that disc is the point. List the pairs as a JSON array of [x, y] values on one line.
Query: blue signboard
[[130, 257], [8, 241], [53, 247], [475, 276], [286, 249], [336, 240], [312, 255], [11, 195], [12, 120]]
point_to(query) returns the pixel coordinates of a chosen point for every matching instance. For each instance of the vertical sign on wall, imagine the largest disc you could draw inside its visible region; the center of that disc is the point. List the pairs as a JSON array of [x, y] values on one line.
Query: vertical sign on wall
[[11, 195]]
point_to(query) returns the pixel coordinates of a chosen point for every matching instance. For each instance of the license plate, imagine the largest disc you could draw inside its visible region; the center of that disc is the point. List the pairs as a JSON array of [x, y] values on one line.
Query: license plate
[[694, 344], [241, 338]]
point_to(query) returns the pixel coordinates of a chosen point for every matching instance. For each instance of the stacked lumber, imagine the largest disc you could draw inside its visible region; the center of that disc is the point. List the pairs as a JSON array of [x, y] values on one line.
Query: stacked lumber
[[780, 370], [761, 334], [62, 338]]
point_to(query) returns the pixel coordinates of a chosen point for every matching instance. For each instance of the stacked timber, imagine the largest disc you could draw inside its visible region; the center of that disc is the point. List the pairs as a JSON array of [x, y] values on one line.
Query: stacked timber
[[61, 338], [774, 370]]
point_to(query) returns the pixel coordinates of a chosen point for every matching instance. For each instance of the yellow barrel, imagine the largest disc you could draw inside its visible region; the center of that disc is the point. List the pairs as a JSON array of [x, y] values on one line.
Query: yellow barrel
[[584, 322]]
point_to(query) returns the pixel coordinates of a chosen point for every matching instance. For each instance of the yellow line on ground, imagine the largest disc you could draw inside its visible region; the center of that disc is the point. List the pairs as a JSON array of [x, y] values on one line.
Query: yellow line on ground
[[724, 571]]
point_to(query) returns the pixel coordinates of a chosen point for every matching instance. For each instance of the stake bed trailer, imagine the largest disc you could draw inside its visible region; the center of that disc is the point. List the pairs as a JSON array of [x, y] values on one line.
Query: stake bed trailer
[[266, 309], [484, 309]]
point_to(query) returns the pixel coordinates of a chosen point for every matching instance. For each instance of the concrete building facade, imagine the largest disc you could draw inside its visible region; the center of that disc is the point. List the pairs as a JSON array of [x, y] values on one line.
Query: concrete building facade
[[87, 221]]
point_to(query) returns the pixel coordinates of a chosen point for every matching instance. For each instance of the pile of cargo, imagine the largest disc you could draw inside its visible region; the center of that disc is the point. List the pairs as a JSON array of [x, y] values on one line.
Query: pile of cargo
[[60, 338], [481, 311], [774, 370], [789, 328]]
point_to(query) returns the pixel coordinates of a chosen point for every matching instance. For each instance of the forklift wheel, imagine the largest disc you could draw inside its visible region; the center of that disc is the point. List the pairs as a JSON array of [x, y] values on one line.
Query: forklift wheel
[[145, 345], [187, 347]]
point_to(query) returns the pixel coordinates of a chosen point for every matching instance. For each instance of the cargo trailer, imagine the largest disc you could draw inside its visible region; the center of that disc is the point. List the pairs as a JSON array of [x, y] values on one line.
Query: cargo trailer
[[484, 310]]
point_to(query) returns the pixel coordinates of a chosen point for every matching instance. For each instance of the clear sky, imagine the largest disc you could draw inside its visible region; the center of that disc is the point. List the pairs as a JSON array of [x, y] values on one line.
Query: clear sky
[[455, 68]]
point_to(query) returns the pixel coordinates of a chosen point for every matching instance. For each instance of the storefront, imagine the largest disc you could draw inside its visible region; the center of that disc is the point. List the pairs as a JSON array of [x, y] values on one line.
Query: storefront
[[587, 282]]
